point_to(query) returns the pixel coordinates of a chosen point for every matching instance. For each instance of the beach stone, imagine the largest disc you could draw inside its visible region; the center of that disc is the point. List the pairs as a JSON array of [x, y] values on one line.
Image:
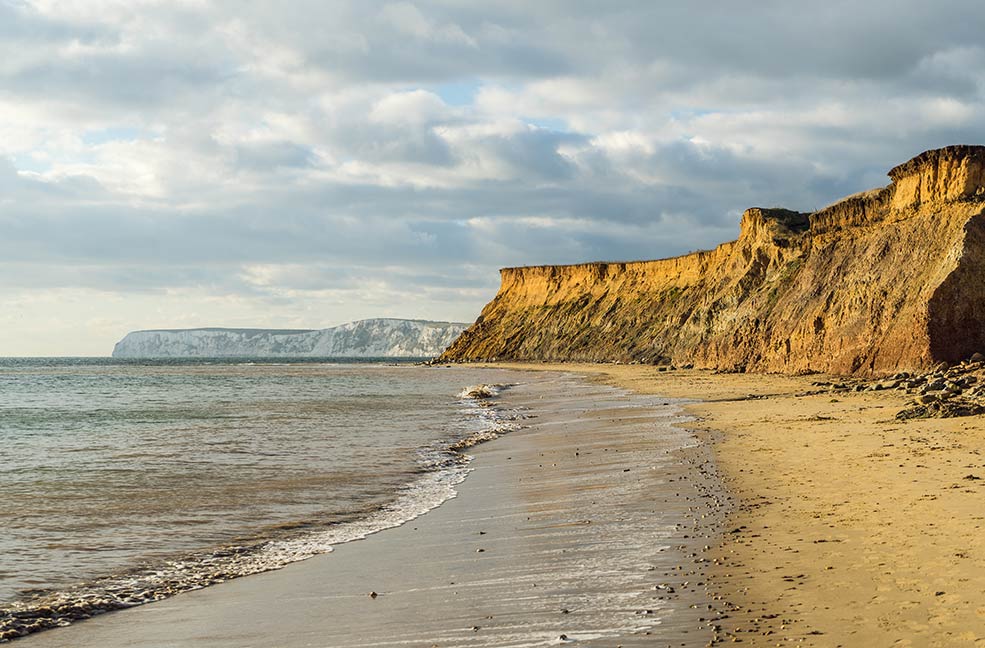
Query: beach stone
[[977, 357], [926, 399], [941, 366]]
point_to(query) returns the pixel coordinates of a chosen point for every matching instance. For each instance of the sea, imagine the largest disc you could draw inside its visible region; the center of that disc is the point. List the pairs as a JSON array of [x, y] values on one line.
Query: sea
[[126, 481]]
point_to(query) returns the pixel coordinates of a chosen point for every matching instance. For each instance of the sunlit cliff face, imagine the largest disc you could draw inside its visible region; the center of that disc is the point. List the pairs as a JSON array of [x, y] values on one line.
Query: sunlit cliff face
[[890, 279]]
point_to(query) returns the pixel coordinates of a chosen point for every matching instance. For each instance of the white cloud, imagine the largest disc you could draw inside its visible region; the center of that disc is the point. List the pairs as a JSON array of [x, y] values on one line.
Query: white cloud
[[415, 107]]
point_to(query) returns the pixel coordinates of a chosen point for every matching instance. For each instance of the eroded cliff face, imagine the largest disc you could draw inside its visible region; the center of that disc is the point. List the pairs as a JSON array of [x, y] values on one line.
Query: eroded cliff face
[[887, 280]]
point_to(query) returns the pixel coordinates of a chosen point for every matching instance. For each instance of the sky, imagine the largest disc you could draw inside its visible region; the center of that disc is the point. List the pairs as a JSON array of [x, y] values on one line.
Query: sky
[[303, 163]]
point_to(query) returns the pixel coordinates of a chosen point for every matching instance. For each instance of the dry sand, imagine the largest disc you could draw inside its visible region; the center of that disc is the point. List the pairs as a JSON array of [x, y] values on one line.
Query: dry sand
[[853, 529]]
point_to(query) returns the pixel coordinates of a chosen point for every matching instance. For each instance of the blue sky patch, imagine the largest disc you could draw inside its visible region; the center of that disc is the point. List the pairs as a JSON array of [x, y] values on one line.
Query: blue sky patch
[[457, 94]]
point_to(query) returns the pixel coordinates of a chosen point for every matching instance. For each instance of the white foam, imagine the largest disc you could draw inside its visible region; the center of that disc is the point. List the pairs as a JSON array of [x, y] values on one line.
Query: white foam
[[481, 390], [448, 466], [427, 493]]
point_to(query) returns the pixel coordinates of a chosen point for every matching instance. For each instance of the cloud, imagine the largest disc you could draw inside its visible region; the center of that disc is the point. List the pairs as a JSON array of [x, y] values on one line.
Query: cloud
[[305, 167], [416, 107], [406, 18]]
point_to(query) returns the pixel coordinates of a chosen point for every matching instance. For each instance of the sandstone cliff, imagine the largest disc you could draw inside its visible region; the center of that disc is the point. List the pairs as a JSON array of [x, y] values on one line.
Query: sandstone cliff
[[887, 280]]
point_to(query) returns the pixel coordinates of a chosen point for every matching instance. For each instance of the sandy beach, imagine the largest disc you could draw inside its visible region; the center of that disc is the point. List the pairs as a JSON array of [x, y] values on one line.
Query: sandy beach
[[601, 522], [556, 537], [852, 528]]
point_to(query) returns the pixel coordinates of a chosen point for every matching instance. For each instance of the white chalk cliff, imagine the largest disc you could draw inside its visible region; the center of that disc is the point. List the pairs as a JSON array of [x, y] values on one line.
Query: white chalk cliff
[[371, 338]]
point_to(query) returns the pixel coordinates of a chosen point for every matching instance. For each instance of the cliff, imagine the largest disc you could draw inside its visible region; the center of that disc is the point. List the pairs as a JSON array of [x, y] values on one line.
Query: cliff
[[372, 338], [890, 279]]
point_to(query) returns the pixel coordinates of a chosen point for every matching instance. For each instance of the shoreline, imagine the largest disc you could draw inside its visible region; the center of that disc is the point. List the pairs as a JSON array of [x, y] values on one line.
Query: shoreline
[[441, 466], [845, 527], [850, 527], [556, 536]]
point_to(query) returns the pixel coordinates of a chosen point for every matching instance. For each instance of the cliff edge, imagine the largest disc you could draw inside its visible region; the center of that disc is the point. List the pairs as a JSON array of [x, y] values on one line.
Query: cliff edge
[[887, 280]]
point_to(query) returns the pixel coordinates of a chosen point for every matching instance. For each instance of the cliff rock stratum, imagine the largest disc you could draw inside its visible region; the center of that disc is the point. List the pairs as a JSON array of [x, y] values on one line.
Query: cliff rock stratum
[[887, 280]]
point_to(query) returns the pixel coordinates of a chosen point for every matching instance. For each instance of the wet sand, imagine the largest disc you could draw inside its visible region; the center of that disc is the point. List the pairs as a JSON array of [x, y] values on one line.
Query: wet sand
[[586, 526], [852, 528]]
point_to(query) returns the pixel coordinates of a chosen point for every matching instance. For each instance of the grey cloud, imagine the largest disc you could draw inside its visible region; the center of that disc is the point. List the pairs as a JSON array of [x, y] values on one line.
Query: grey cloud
[[271, 155], [344, 225], [535, 153], [876, 41], [20, 24], [391, 143], [124, 83], [265, 150], [383, 53]]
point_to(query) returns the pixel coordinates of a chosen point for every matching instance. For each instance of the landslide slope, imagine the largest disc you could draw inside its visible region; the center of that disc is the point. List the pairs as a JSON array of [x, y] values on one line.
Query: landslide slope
[[887, 280]]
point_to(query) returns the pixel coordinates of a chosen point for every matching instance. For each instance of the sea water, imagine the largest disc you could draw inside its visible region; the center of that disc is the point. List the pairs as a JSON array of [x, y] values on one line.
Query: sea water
[[123, 482]]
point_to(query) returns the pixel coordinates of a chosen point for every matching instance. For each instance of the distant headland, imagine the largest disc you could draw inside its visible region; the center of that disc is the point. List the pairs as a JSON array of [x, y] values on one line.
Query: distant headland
[[369, 338]]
